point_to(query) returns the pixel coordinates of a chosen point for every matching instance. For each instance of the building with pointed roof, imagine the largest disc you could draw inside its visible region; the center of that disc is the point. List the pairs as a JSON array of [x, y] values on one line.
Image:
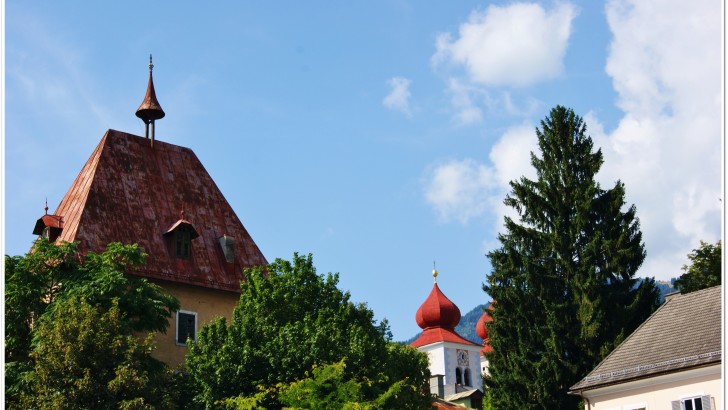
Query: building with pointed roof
[[454, 360], [159, 195], [672, 361], [482, 331]]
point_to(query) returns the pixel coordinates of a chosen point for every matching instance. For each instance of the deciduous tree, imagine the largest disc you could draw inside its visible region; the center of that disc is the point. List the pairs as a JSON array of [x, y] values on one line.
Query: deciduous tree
[[288, 320], [704, 270], [52, 291]]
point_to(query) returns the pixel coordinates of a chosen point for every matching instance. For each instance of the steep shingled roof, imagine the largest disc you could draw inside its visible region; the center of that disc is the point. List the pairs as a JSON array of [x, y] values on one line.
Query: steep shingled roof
[[131, 192], [684, 333]]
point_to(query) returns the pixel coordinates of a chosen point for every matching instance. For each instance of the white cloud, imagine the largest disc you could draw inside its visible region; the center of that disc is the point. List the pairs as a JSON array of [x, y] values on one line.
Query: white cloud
[[460, 189], [665, 63], [466, 189], [465, 111], [398, 98], [514, 45]]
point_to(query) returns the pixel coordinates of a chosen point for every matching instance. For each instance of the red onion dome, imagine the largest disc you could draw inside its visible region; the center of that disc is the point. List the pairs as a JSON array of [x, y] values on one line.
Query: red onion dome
[[437, 311], [480, 328]]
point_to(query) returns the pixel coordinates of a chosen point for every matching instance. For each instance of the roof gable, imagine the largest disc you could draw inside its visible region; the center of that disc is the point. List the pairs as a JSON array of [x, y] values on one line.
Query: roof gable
[[131, 192], [684, 333]]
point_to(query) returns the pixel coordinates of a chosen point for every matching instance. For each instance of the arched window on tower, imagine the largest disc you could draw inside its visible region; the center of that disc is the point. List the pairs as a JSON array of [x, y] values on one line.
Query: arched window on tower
[[467, 381], [458, 376]]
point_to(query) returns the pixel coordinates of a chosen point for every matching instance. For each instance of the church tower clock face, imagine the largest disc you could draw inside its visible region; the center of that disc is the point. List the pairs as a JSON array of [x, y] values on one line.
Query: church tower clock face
[[463, 359]]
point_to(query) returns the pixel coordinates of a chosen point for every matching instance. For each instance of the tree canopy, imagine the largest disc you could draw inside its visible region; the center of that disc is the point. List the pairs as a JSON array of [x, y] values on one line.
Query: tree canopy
[[70, 325], [704, 270], [289, 320], [563, 279]]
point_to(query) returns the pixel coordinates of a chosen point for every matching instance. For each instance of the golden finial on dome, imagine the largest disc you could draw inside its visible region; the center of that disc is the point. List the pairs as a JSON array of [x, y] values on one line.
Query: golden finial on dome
[[434, 271]]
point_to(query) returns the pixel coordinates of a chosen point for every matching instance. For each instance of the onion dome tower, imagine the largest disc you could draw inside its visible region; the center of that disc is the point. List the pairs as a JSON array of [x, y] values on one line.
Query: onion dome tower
[[482, 331], [454, 363], [438, 317], [150, 110]]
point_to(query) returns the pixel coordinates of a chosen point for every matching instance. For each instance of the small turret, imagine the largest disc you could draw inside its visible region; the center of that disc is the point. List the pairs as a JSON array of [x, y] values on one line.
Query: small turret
[[150, 110]]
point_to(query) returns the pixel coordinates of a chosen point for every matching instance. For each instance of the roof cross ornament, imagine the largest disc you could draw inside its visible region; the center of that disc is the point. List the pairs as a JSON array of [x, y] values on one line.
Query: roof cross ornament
[[434, 271]]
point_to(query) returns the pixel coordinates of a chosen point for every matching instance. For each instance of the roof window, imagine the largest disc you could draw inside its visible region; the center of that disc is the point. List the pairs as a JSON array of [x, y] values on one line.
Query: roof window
[[228, 248], [181, 235]]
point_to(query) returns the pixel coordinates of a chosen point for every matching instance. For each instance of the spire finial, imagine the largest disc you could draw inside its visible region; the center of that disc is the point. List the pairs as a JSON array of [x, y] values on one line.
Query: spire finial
[[182, 214], [434, 271], [46, 207], [150, 110]]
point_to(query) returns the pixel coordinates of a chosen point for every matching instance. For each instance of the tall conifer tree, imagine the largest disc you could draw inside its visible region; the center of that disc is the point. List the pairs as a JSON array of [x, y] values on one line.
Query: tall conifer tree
[[563, 280]]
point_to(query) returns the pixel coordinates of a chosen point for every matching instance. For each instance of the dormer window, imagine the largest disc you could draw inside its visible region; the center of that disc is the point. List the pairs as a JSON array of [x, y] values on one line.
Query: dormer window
[[180, 237], [182, 243], [49, 227], [228, 248]]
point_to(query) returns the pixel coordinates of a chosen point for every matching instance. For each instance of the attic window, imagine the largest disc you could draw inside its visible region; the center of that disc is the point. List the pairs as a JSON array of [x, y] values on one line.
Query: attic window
[[228, 248], [182, 242], [179, 238], [49, 227]]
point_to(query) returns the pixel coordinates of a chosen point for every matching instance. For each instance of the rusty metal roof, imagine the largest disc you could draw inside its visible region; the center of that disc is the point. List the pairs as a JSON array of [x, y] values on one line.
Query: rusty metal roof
[[130, 192]]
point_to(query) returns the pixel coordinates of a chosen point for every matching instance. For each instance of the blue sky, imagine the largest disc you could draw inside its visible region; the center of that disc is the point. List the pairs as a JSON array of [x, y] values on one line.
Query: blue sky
[[379, 136]]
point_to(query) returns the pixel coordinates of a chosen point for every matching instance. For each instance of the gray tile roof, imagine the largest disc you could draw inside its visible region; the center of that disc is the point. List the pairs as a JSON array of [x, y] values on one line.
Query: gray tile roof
[[685, 332]]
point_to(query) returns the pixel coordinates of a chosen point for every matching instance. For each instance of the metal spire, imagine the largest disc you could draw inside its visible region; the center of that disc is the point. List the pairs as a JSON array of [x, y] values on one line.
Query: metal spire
[[150, 110]]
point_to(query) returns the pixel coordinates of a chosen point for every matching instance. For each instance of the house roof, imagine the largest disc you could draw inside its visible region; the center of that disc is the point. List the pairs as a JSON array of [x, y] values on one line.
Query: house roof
[[131, 192], [476, 393], [439, 334], [684, 333], [443, 404]]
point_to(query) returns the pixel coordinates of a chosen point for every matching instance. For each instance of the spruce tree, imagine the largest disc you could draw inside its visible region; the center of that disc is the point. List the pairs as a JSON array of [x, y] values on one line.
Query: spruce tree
[[563, 280]]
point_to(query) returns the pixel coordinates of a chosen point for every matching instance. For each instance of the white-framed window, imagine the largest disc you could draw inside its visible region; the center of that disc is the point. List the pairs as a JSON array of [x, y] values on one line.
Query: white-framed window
[[186, 327], [693, 403]]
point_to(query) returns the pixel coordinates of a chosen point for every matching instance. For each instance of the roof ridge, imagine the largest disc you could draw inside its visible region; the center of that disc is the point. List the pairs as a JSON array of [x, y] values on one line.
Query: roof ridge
[[642, 367]]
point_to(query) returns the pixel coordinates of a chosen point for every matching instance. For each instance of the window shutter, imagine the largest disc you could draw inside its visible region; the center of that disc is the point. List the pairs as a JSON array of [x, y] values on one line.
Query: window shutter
[[676, 405], [705, 400]]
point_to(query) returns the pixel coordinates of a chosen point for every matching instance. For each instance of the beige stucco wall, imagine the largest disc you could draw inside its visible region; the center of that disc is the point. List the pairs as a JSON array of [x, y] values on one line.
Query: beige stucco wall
[[658, 393], [207, 303]]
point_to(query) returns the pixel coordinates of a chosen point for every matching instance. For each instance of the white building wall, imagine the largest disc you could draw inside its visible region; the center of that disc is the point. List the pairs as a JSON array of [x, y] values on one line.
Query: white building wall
[[658, 393], [443, 360]]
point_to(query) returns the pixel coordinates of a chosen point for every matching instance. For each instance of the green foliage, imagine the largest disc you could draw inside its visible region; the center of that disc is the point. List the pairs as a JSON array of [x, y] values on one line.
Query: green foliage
[[53, 298], [288, 320], [87, 358], [327, 389], [31, 284], [564, 277], [704, 270]]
